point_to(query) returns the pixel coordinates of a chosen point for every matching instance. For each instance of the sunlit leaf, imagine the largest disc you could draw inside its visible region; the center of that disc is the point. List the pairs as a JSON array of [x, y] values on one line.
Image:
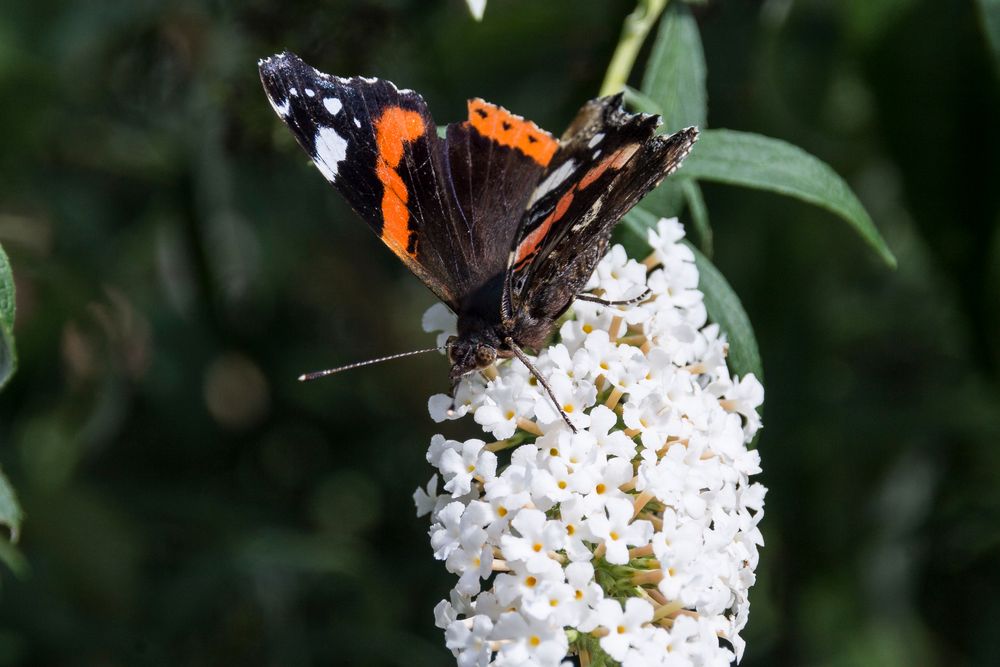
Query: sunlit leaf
[[639, 101], [12, 557], [699, 214], [725, 309], [10, 510], [675, 74], [755, 161], [989, 15], [8, 353]]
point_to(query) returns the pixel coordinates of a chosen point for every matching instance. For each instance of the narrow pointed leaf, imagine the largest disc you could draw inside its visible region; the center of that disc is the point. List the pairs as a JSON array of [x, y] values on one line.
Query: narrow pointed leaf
[[639, 101], [989, 16], [675, 74], [755, 161], [10, 509], [725, 309], [8, 353], [699, 215]]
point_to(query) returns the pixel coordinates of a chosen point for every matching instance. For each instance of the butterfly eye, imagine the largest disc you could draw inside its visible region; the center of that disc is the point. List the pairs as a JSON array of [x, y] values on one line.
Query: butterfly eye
[[485, 355]]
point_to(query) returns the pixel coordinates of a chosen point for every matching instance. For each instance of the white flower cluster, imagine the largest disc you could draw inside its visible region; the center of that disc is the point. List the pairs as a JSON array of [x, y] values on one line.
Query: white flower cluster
[[635, 537]]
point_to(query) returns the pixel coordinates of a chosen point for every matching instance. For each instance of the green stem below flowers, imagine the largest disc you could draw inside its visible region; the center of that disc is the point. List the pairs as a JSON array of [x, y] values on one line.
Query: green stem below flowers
[[637, 26]]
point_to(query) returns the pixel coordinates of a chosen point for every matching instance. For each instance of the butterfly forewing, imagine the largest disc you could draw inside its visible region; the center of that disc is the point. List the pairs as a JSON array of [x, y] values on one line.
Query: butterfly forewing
[[379, 147], [495, 159]]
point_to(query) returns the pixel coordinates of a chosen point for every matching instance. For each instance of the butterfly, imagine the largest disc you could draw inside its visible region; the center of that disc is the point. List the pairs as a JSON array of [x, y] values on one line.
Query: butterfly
[[502, 221]]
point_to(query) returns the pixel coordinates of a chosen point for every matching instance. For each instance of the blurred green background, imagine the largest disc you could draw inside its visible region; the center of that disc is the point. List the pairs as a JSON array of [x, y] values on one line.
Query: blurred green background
[[179, 263]]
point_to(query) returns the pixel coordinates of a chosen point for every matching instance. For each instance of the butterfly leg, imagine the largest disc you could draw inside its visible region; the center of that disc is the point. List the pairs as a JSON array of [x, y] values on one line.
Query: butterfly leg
[[519, 353], [604, 302]]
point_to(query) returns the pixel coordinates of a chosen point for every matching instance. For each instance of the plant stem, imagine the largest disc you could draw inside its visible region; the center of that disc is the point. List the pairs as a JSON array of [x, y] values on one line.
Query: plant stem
[[637, 26]]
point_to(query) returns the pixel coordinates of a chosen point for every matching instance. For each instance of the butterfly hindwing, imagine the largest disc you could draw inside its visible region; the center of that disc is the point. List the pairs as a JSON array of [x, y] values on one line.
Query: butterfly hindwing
[[607, 161]]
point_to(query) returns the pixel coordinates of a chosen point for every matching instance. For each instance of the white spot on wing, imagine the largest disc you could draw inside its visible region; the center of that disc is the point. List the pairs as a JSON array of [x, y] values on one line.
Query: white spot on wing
[[552, 181], [332, 105], [357, 123], [596, 139], [293, 92], [310, 92], [280, 109], [331, 149]]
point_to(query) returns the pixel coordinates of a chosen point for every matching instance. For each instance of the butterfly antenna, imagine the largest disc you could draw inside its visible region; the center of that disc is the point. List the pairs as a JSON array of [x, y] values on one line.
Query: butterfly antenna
[[519, 353], [315, 375], [623, 302]]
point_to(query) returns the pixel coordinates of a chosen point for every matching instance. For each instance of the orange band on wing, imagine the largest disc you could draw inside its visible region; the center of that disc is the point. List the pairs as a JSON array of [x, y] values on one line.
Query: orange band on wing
[[615, 161], [394, 128], [531, 243], [506, 129]]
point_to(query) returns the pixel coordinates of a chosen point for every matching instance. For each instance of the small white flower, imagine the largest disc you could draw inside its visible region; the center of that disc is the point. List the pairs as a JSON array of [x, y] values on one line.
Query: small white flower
[[619, 276], [425, 498], [610, 442], [624, 625], [605, 484], [440, 318], [505, 404], [443, 407], [470, 645], [459, 466], [662, 434], [587, 593], [573, 517], [530, 642], [573, 399], [524, 584], [617, 532], [537, 536]]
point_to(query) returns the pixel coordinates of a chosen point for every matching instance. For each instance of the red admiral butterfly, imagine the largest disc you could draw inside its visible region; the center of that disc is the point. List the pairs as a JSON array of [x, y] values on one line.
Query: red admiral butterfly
[[501, 221]]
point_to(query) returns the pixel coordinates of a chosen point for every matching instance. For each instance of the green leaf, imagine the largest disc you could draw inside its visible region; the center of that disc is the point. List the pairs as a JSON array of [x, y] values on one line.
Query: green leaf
[[8, 353], [675, 74], [12, 557], [699, 214], [667, 200], [755, 161], [10, 510], [723, 306], [639, 221], [989, 15], [640, 102]]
